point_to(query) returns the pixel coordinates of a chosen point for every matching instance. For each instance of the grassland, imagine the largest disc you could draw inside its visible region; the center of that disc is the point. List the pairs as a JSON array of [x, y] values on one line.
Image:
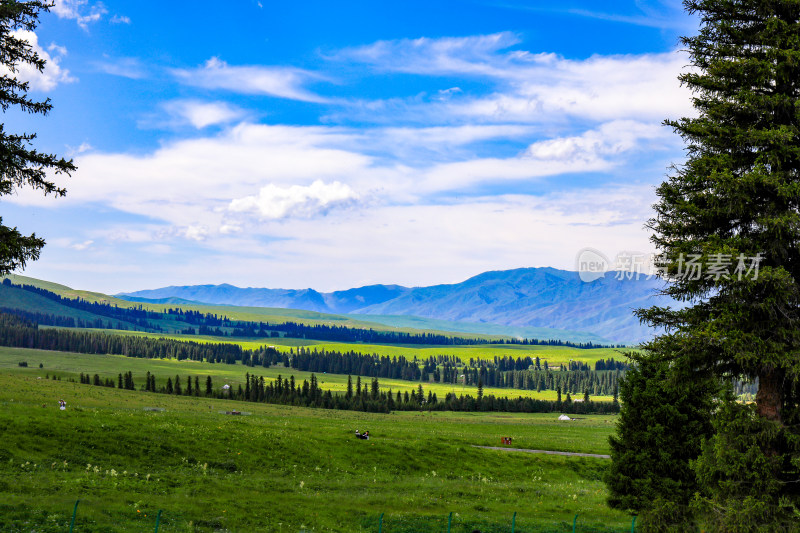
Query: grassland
[[282, 468], [554, 355], [70, 365]]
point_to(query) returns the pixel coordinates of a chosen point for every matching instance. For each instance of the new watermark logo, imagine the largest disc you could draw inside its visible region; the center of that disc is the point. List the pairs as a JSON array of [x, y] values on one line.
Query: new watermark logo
[[591, 264]]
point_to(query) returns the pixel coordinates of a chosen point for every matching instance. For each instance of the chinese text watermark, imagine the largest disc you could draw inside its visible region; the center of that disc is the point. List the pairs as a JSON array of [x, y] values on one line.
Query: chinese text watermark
[[593, 264]]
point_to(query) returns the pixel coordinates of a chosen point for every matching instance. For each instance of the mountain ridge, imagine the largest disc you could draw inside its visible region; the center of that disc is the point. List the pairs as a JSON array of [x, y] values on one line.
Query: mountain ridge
[[525, 297]]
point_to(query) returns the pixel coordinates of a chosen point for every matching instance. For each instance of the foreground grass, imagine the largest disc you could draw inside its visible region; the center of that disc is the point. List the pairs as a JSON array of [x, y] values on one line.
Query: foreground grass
[[69, 365], [282, 468]]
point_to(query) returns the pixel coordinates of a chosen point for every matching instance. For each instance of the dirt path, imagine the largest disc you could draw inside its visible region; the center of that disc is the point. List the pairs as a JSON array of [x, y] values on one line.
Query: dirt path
[[549, 452]]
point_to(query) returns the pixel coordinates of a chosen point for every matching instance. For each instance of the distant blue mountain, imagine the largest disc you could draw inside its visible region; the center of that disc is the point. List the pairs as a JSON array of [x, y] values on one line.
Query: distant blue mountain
[[525, 297]]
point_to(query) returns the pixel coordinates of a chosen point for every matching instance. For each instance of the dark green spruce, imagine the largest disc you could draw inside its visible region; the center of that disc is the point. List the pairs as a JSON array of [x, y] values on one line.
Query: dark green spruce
[[735, 198]]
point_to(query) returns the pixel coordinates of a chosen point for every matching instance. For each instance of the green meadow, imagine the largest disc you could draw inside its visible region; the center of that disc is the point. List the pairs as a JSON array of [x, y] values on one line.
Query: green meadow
[[71, 365], [554, 355], [280, 468]]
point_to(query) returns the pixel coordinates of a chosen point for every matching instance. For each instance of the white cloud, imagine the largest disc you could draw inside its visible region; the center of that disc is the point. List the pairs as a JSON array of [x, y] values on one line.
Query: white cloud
[[196, 233], [120, 19], [476, 55], [283, 82], [273, 202], [230, 229], [82, 245], [59, 50], [407, 244], [64, 242], [595, 150], [207, 184], [598, 88], [611, 138], [84, 147], [203, 114], [525, 87], [665, 14], [52, 75], [126, 67], [81, 11]]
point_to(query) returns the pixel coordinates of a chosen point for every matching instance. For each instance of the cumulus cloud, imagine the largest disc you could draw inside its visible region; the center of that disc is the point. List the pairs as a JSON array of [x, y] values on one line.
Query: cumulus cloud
[[273, 202], [611, 138], [282, 82], [52, 75], [120, 19], [81, 11], [196, 233]]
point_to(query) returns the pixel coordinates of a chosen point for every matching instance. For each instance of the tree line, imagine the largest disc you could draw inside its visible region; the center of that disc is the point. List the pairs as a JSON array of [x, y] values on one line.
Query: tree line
[[367, 397], [18, 332], [46, 319], [532, 374]]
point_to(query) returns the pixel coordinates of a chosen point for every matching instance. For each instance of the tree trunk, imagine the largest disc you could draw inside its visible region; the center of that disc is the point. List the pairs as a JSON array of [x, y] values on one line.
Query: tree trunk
[[769, 397]]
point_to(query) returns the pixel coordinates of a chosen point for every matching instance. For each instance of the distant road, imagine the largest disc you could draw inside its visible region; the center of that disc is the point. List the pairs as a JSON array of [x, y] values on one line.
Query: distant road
[[549, 452]]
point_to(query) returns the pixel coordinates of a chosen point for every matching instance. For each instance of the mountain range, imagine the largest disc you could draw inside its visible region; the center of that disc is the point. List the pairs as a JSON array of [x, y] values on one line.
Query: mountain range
[[525, 297]]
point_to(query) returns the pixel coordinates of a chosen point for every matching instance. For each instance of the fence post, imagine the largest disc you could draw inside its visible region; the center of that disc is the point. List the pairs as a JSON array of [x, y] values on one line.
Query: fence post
[[74, 512], [574, 522], [513, 522], [633, 525], [449, 521], [158, 520], [380, 523]]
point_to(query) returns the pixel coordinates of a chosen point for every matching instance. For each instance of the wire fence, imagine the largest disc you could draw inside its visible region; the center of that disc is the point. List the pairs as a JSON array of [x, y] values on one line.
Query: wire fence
[[453, 522], [516, 523]]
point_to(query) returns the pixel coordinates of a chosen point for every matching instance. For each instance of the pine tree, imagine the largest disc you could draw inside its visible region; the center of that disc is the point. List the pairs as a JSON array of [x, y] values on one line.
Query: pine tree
[[169, 389], [661, 425], [209, 386], [177, 385], [727, 225], [349, 393], [21, 166]]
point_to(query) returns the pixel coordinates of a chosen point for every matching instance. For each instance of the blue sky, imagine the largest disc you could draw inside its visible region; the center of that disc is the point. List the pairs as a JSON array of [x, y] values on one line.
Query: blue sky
[[338, 144]]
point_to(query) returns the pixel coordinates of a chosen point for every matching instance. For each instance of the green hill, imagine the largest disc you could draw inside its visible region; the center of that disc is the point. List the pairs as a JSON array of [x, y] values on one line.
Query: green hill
[[249, 314]]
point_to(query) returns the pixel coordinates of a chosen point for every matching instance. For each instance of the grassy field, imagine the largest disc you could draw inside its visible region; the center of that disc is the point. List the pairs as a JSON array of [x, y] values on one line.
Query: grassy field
[[70, 365], [283, 469], [554, 355]]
